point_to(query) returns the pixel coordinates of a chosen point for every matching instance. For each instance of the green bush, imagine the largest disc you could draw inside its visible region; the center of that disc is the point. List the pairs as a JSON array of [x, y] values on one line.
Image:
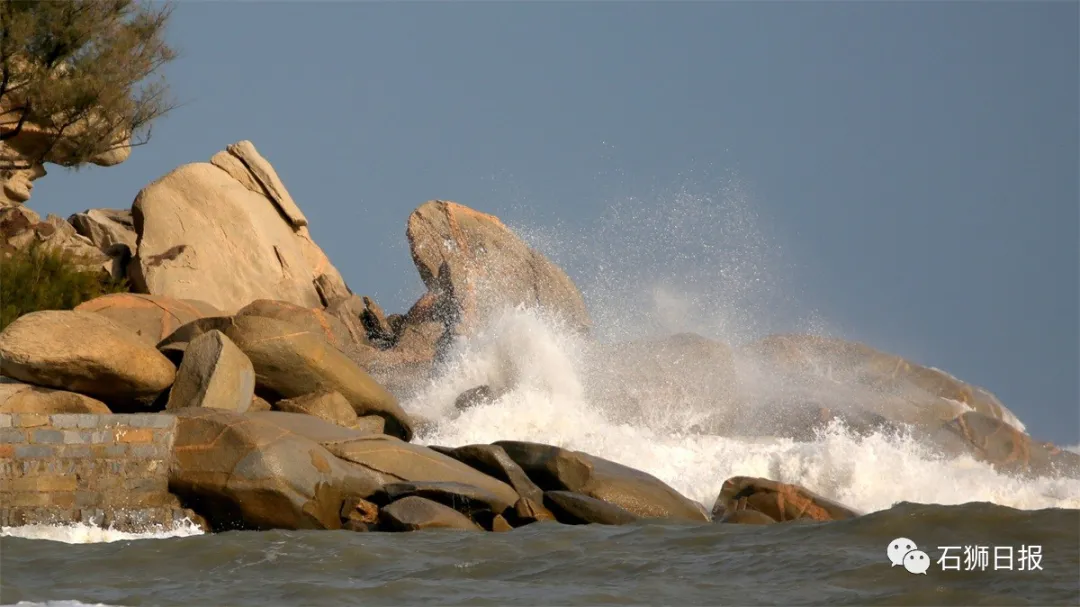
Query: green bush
[[40, 278]]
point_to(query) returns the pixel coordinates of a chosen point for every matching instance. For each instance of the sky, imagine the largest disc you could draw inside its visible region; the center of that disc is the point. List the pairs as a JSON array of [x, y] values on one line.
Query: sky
[[905, 174]]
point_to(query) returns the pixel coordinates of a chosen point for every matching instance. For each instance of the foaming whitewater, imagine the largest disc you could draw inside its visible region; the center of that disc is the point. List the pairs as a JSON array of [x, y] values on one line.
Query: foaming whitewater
[[546, 403], [81, 533], [685, 263]]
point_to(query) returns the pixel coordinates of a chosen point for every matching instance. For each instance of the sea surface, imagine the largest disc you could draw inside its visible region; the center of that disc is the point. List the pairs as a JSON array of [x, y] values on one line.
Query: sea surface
[[689, 264]]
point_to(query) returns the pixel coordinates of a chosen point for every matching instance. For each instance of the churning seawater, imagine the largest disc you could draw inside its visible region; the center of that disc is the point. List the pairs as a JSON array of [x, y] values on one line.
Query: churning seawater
[[691, 264]]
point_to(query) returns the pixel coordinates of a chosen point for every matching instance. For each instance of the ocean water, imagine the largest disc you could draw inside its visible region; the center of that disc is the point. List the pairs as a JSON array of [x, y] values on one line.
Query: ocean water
[[696, 263]]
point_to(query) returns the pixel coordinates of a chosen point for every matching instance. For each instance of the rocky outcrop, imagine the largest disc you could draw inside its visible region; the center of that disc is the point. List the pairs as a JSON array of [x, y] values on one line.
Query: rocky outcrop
[[316, 320], [398, 461], [263, 470], [839, 374], [466, 499], [84, 352], [291, 362], [327, 405], [17, 397], [1009, 450], [577, 509], [474, 265], [214, 373], [112, 231], [493, 461], [151, 317], [779, 501], [21, 228], [557, 469], [227, 232], [416, 513]]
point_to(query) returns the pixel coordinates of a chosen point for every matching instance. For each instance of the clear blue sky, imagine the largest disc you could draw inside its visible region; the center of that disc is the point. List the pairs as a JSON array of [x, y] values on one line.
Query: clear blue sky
[[913, 164]]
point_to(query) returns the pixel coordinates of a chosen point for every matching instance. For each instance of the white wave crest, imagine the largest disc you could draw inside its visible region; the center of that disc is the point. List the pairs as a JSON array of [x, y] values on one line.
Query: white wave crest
[[81, 533]]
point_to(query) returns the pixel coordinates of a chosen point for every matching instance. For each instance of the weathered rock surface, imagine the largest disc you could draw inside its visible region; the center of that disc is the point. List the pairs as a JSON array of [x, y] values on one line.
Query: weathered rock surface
[[176, 343], [398, 461], [842, 374], [577, 509], [21, 228], [17, 397], [473, 265], [417, 513], [779, 501], [464, 498], [83, 352], [557, 469], [151, 317], [291, 362], [1009, 450], [214, 373], [526, 512], [112, 231], [314, 320], [359, 515], [228, 233], [327, 405], [264, 470], [493, 461]]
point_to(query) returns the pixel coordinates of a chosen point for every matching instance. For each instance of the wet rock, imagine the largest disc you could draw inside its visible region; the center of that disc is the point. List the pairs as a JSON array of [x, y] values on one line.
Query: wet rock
[[476, 397], [17, 397], [263, 470], [779, 501], [746, 517], [493, 461], [1010, 450], [214, 373], [151, 317], [290, 363], [577, 509], [417, 513], [526, 512], [466, 499], [328, 405], [359, 515], [485, 267], [398, 461], [557, 469], [84, 352]]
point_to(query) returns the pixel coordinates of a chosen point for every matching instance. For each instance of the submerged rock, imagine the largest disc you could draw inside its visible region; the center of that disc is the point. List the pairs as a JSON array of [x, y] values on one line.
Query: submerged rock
[[779, 501]]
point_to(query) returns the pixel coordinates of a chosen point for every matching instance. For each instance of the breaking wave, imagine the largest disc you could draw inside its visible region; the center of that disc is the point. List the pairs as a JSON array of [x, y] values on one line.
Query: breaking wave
[[698, 264], [81, 533]]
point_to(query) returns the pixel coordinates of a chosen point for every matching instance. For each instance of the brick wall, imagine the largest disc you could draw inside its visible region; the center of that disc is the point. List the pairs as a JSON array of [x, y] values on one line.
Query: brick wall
[[109, 470]]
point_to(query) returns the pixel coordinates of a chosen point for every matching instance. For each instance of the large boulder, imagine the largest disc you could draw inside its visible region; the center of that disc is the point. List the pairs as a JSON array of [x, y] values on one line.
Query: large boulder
[[84, 352], [577, 509], [290, 363], [227, 232], [416, 513], [152, 317], [17, 397], [474, 265], [466, 499], [264, 470], [214, 373], [398, 461], [108, 229], [316, 320], [557, 469], [493, 461], [1009, 450], [842, 374], [779, 501]]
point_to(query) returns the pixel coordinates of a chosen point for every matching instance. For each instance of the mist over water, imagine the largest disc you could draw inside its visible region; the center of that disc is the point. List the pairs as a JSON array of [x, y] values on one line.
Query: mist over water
[[686, 262]]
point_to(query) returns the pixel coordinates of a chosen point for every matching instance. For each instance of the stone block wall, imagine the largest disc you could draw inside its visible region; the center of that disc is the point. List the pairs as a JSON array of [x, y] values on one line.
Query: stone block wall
[[108, 470]]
